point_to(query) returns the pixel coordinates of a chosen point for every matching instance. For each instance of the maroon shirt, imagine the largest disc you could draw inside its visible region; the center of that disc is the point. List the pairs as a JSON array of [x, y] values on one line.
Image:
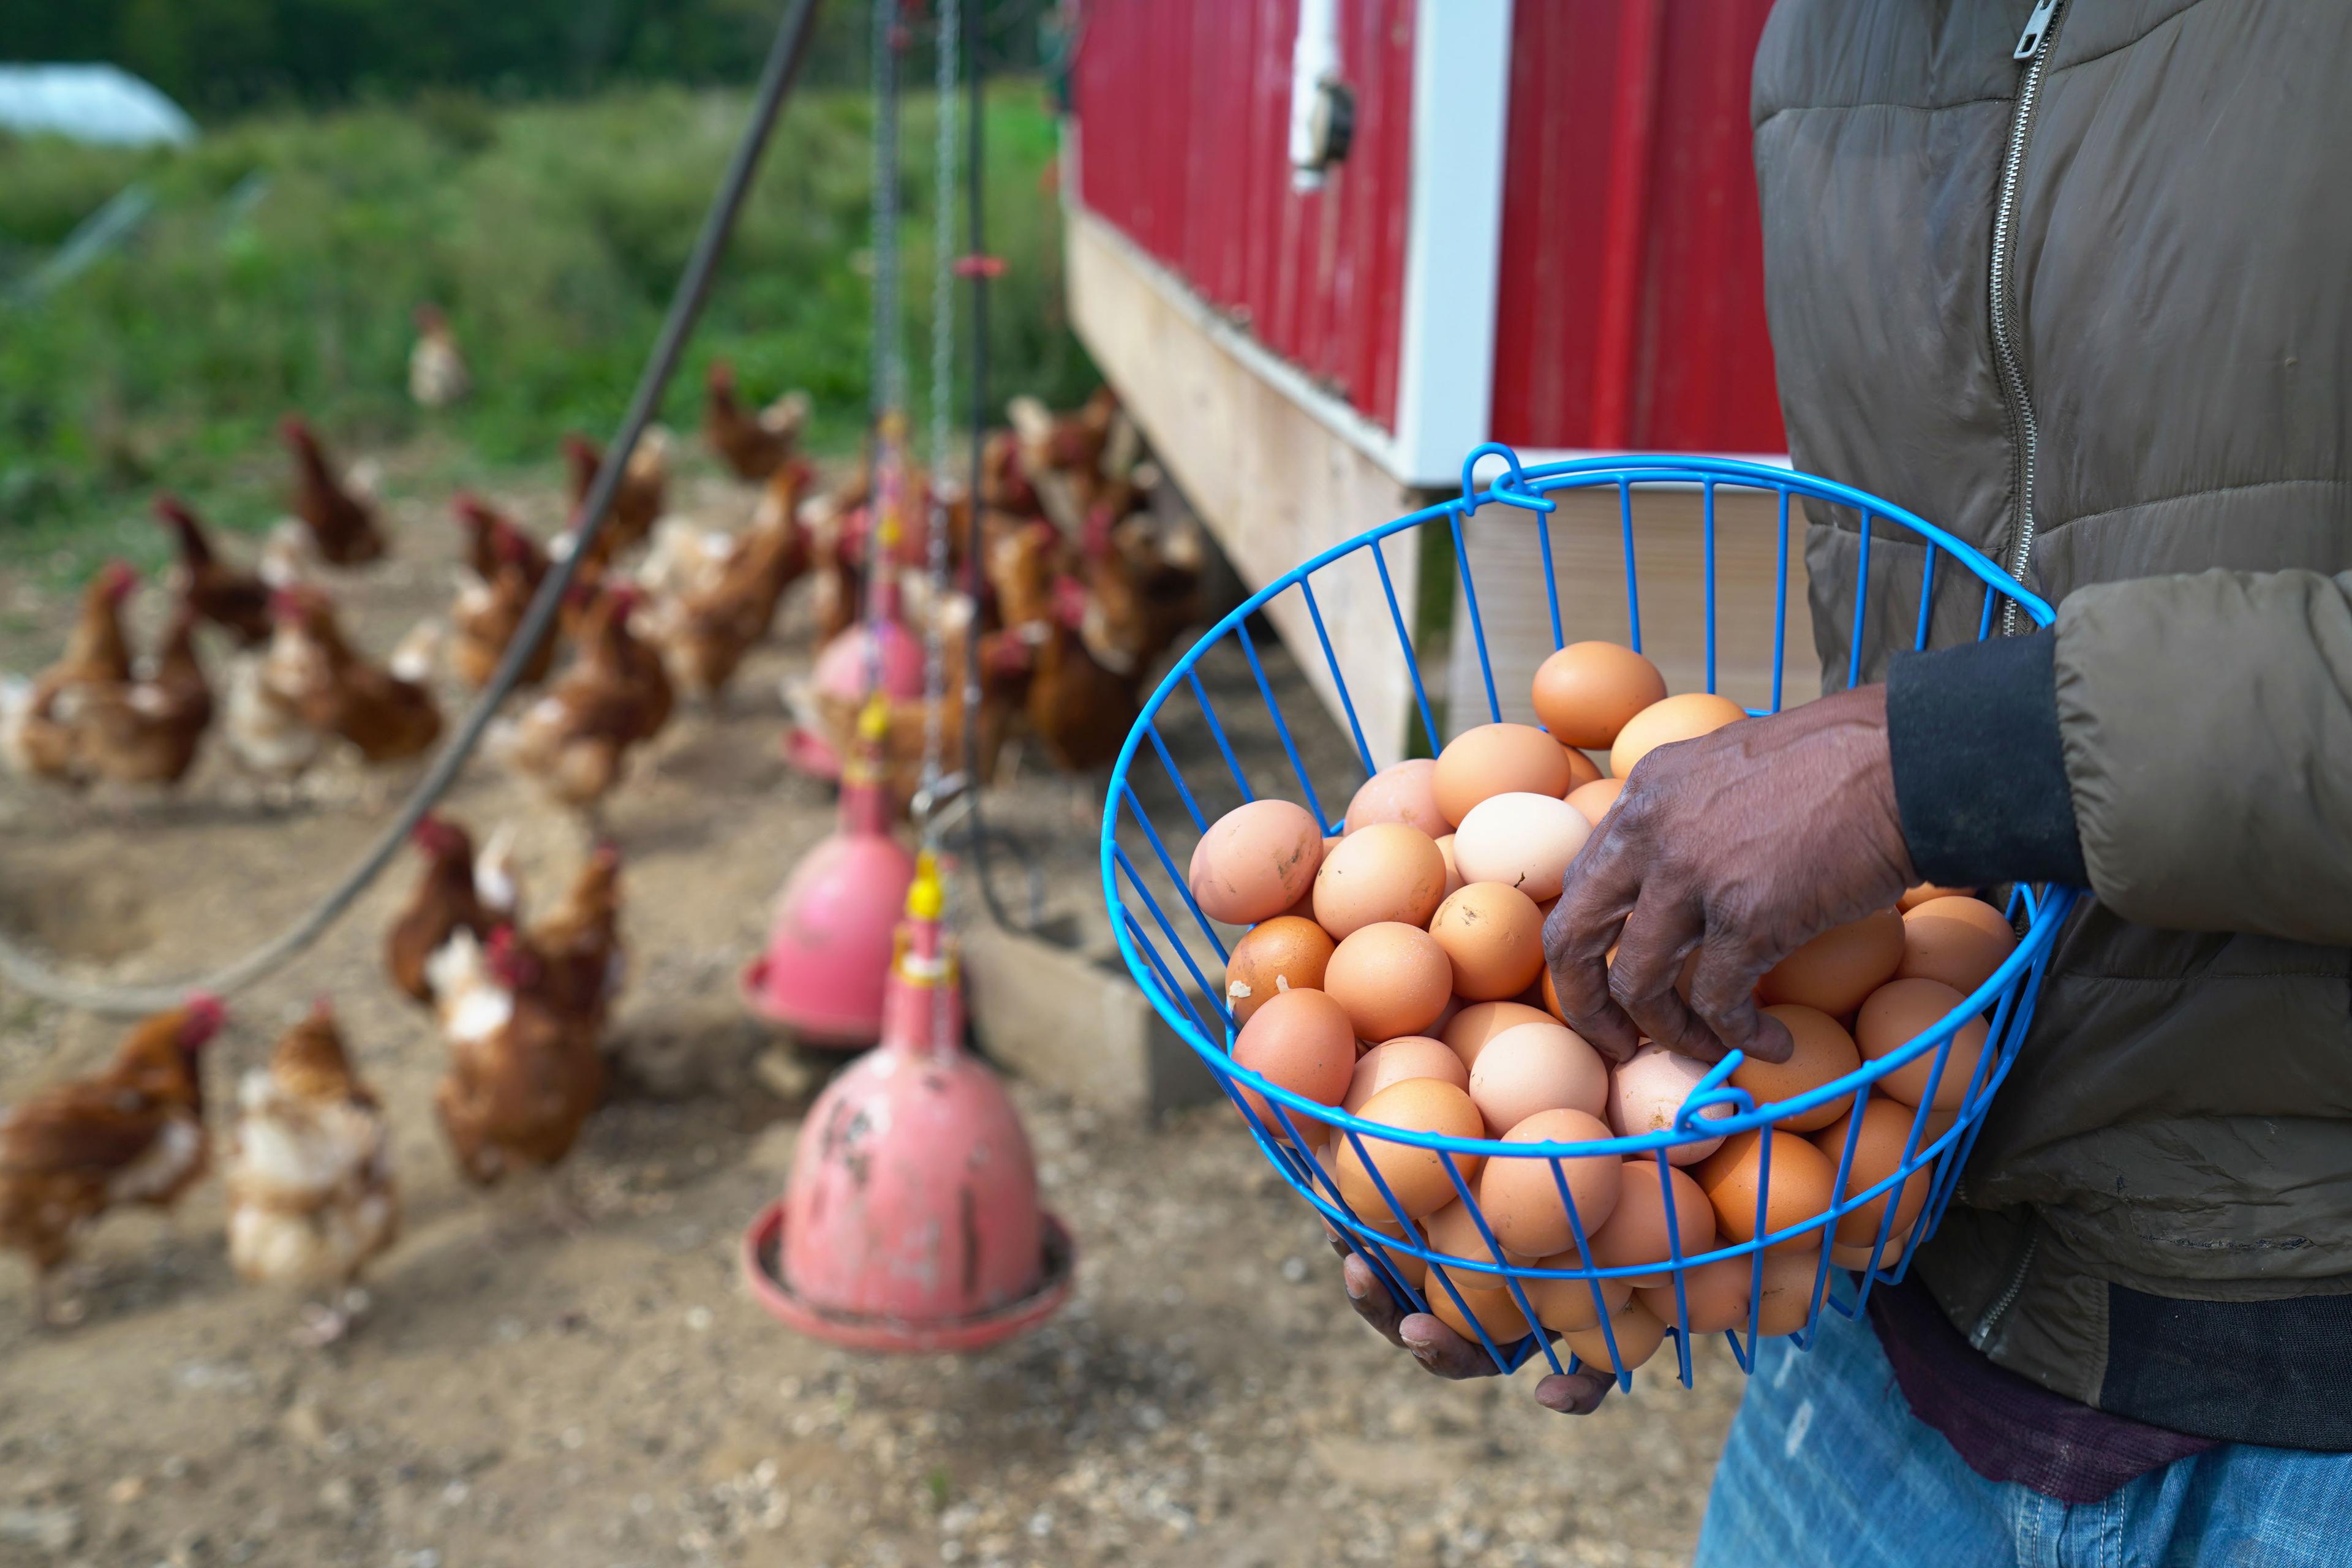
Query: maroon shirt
[[2005, 1428]]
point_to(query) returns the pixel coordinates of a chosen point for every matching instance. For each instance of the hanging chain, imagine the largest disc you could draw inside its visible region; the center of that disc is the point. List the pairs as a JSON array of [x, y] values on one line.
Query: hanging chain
[[943, 210]]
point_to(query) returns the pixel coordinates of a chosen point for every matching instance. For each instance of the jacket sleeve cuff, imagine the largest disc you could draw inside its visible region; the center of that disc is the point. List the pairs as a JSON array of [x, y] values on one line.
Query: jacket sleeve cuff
[[1980, 775]]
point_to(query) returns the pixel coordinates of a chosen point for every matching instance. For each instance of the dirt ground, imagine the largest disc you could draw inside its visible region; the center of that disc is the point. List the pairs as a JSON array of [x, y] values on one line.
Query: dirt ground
[[518, 1395]]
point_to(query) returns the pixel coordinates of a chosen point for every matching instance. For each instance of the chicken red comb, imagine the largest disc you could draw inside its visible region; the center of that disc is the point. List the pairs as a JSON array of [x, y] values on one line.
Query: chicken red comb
[[205, 1013], [471, 510], [322, 1008], [579, 449], [117, 578], [722, 373], [1069, 600], [436, 835], [171, 509], [297, 429], [1094, 535], [288, 604]]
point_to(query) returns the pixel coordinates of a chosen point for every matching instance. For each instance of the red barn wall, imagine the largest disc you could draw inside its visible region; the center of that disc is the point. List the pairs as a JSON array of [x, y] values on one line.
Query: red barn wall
[[1631, 294], [1185, 110]]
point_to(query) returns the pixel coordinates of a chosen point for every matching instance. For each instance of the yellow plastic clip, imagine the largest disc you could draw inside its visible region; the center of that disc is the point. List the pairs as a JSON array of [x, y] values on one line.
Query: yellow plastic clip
[[873, 719], [925, 897]]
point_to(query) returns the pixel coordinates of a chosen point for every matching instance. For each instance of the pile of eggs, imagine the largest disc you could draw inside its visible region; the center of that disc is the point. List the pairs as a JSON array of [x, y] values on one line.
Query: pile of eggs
[[1397, 971]]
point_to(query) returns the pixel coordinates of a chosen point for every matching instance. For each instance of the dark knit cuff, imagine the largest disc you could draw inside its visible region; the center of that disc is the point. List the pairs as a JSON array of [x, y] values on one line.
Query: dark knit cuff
[[1979, 777]]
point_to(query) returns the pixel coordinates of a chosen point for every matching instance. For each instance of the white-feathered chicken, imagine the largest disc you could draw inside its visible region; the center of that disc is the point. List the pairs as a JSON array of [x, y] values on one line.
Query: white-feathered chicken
[[311, 1190]]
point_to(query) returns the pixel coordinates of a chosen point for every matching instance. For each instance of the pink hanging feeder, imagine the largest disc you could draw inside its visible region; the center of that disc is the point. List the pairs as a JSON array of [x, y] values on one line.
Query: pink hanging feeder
[[828, 956], [878, 654], [848, 667], [911, 1220]]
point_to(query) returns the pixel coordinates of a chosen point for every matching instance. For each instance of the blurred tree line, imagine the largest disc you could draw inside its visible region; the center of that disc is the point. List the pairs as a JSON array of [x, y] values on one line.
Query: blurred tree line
[[223, 57]]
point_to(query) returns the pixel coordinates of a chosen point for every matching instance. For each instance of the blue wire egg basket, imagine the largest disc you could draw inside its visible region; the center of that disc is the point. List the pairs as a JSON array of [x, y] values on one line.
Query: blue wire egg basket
[[1172, 949]]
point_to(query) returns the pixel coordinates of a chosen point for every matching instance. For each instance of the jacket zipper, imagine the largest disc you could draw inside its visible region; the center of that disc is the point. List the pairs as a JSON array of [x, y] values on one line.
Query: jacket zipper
[[2034, 46], [1982, 1335]]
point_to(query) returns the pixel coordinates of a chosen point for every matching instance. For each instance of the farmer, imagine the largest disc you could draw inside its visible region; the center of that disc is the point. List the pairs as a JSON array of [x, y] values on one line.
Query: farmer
[[2084, 297]]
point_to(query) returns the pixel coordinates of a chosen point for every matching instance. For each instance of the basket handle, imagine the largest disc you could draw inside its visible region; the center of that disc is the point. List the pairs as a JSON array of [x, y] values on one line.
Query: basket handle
[[1712, 1091], [1511, 490]]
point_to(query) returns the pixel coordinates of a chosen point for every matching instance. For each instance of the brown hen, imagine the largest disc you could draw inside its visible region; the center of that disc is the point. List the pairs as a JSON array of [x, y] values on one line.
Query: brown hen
[[133, 1133], [342, 525], [237, 602]]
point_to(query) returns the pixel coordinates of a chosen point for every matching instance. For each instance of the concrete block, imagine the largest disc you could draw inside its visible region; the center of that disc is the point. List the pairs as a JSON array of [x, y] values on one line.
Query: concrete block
[[1070, 1021]]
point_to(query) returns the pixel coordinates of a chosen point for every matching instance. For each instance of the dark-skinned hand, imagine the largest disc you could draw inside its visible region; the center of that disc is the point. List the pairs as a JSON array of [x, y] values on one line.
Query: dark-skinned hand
[[1739, 847], [1447, 1354]]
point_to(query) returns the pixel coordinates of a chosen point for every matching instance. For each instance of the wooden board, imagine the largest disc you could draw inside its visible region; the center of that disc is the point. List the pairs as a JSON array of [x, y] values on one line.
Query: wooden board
[[1669, 550], [1273, 484]]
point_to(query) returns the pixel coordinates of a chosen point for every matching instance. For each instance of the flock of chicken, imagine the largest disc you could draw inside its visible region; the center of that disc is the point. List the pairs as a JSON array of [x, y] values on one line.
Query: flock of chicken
[[1083, 591]]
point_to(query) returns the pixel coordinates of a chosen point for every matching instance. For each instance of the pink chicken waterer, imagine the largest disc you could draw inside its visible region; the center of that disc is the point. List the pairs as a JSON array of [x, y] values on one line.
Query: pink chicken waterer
[[828, 955], [911, 1220]]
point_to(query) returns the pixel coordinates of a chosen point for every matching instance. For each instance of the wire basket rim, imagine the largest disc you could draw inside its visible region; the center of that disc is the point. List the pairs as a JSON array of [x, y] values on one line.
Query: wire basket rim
[[1523, 487]]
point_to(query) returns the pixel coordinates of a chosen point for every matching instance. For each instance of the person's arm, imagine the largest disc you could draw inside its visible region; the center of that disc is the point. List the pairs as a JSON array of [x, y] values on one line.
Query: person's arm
[[2191, 736]]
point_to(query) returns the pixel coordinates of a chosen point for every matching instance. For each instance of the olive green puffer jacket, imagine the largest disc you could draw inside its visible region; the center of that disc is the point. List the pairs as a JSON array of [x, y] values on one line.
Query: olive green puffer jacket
[[2140, 384]]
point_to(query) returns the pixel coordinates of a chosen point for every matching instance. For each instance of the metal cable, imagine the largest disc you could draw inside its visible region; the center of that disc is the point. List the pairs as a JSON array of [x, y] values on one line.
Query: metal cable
[[975, 215], [30, 975], [935, 651]]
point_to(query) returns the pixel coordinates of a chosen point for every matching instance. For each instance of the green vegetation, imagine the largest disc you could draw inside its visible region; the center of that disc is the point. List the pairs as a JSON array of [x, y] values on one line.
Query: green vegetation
[[218, 57], [283, 255]]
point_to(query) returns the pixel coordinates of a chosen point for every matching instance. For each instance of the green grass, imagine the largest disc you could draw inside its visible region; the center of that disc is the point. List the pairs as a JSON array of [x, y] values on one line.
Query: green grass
[[551, 232]]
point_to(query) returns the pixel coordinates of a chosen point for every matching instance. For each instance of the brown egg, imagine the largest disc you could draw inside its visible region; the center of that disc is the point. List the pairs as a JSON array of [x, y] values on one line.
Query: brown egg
[[1284, 953], [1878, 1155], [1636, 1233], [1493, 937], [1914, 897], [1662, 723], [1801, 1181], [1415, 1175], [1595, 799], [1959, 941], [1550, 994], [1303, 908], [1833, 972], [1452, 1231], [1300, 1040], [1587, 691], [1857, 1257], [1475, 1026], [1496, 1312], [1393, 979], [1824, 1054], [1453, 883], [1789, 1292], [1646, 1094], [1521, 1200], [1899, 1012], [1716, 1294], [1567, 1304], [1401, 791], [1384, 872], [1254, 861], [1534, 1068], [1497, 759], [1406, 1057], [1413, 1270], [1635, 1332], [1581, 770]]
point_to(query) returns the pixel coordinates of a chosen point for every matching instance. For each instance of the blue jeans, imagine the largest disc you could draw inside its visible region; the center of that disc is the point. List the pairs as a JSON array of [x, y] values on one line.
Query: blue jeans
[[1826, 1465]]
